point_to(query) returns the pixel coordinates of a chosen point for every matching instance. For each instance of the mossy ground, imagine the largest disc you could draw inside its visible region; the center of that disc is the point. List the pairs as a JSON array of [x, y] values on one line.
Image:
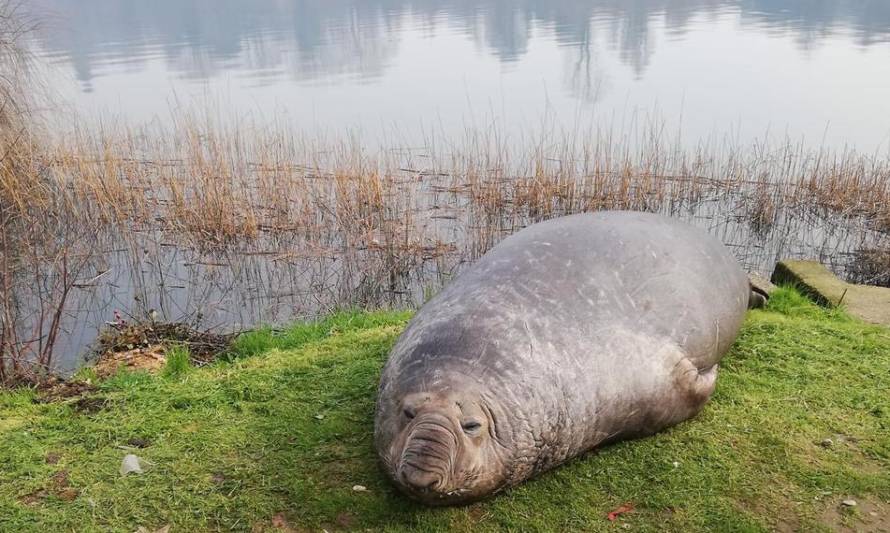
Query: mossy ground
[[278, 436]]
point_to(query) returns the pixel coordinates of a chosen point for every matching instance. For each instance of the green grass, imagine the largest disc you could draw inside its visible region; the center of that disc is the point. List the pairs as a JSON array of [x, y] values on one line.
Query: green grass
[[278, 435], [178, 362]]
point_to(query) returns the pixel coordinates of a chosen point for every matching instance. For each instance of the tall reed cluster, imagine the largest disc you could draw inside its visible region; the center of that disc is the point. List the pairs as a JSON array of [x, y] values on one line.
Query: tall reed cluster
[[210, 185], [42, 238]]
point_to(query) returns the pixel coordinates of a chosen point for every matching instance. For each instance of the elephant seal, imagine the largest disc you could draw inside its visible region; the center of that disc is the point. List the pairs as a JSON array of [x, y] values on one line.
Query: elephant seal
[[567, 335]]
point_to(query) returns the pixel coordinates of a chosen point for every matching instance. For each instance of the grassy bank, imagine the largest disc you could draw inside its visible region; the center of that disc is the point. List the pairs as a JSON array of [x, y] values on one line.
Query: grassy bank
[[278, 437]]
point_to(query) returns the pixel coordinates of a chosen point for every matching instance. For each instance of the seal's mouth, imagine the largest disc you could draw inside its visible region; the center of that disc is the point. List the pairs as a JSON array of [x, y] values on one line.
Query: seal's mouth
[[428, 458]]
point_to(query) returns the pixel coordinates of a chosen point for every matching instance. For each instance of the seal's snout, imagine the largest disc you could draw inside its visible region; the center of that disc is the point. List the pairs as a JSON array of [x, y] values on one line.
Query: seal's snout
[[428, 455]]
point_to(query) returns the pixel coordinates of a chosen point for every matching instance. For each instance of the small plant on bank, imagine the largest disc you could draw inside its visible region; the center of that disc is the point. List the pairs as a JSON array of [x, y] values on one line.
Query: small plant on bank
[[178, 362]]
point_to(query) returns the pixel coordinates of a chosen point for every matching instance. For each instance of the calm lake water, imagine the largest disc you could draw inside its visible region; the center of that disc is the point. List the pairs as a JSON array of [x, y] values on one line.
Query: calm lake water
[[394, 70]]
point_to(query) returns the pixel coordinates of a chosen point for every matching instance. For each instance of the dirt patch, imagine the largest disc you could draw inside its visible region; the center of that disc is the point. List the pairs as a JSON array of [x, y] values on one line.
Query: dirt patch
[[150, 359], [35, 498], [137, 442], [777, 510], [61, 487], [145, 346], [90, 405], [79, 394], [279, 522], [867, 516], [68, 495], [345, 520], [59, 480], [55, 389], [58, 486]]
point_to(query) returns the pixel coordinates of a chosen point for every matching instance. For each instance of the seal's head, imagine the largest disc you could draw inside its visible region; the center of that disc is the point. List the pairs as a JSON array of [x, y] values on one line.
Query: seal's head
[[442, 448]]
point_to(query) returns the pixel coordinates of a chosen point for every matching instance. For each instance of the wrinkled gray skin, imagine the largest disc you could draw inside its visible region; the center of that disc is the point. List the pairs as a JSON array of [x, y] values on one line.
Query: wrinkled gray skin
[[567, 335]]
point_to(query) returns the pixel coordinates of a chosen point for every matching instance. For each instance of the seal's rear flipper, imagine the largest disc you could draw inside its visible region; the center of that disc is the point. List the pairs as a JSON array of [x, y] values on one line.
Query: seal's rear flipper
[[761, 288], [694, 384], [757, 299]]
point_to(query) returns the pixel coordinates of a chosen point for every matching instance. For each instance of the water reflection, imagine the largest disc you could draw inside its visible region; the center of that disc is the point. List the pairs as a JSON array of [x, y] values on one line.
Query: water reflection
[[868, 22], [312, 39]]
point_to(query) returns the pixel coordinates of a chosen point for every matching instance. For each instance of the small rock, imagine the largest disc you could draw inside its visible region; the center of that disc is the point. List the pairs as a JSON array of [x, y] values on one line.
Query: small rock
[[873, 513], [826, 443], [359, 488], [849, 503], [131, 465]]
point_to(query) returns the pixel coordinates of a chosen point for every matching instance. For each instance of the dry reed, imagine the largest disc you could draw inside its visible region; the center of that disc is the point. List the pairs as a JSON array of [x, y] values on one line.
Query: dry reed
[[368, 230]]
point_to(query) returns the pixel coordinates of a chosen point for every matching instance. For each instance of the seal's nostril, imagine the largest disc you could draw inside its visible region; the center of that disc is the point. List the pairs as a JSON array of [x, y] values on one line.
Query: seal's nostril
[[419, 479]]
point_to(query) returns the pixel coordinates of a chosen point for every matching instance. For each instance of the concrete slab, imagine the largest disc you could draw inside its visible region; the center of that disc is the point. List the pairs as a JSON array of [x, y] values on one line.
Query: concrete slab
[[871, 304], [761, 284]]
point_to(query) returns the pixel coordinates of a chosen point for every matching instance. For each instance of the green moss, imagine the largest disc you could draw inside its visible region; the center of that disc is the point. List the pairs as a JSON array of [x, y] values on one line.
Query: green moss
[[282, 432]]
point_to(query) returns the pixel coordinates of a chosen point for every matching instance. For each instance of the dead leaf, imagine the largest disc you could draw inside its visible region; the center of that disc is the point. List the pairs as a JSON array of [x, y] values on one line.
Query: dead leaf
[[626, 508]]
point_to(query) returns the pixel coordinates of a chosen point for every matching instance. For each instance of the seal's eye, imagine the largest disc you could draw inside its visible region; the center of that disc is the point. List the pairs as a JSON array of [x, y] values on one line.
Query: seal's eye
[[409, 413], [471, 426]]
